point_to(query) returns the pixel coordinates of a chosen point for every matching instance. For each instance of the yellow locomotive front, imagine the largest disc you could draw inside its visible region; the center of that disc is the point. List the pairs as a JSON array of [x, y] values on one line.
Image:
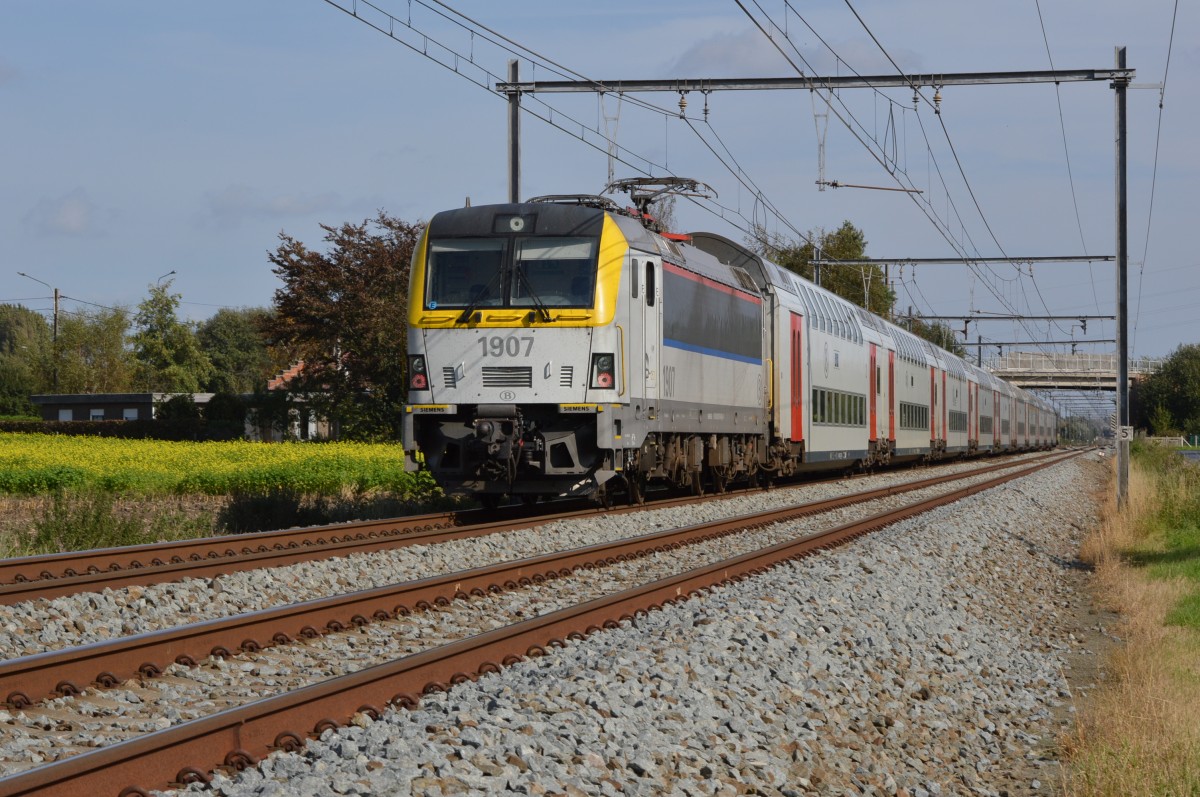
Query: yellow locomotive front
[[514, 349]]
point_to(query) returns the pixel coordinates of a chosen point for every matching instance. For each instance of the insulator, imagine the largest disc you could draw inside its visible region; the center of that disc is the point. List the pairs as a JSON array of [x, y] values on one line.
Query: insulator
[[937, 100], [682, 104]]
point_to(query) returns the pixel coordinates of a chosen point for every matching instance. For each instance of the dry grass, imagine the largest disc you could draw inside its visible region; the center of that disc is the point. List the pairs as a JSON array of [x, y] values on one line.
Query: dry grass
[[1139, 733]]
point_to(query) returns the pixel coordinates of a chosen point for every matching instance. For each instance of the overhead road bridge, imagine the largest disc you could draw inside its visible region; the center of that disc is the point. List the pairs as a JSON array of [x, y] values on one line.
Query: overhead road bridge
[[1067, 371]]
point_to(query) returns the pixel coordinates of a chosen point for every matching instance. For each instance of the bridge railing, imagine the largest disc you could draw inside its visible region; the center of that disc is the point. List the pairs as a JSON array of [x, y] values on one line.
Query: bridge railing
[[1068, 363]]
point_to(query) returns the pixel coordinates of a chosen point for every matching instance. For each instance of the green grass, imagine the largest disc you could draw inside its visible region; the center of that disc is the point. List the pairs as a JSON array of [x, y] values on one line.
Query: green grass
[[89, 519], [1169, 547]]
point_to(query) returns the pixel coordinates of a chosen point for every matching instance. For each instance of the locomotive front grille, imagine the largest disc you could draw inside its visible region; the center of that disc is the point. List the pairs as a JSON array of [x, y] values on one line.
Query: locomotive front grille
[[507, 376], [449, 377], [566, 375]]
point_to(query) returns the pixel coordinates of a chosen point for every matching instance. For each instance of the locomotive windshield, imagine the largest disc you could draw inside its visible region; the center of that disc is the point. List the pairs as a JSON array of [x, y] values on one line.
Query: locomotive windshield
[[556, 272]]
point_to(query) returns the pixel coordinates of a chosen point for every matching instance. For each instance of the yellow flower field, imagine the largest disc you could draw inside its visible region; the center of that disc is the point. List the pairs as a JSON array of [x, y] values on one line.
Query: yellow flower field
[[32, 464]]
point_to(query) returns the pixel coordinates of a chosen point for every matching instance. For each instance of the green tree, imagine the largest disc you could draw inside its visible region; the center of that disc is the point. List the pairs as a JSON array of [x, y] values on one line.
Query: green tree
[[342, 312], [863, 285], [168, 355], [93, 356], [1168, 401], [938, 333], [25, 359], [236, 344]]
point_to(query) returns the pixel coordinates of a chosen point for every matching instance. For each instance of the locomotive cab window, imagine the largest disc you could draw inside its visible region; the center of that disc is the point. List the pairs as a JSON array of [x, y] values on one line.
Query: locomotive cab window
[[525, 271], [463, 272], [557, 272]]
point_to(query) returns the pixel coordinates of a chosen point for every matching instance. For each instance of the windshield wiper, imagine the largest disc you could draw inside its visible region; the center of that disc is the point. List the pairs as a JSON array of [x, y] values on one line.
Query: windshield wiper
[[537, 303], [477, 300]]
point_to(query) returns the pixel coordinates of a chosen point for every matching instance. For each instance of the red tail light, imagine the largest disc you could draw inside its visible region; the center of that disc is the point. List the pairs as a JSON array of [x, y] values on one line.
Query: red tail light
[[603, 371], [418, 379]]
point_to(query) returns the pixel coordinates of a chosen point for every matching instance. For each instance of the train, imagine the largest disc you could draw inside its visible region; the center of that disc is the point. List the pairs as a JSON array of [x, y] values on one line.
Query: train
[[565, 347]]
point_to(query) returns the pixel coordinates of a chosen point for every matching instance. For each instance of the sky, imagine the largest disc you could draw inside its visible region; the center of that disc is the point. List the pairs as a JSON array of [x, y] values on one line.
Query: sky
[[144, 138]]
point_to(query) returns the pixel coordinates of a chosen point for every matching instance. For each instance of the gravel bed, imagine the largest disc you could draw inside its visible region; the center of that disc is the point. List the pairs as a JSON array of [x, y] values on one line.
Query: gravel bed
[[41, 625], [109, 716], [927, 659]]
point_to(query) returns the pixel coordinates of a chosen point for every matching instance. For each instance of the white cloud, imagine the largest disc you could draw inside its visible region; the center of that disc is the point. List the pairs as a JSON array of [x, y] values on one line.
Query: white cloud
[[748, 53], [743, 54], [74, 214], [236, 202]]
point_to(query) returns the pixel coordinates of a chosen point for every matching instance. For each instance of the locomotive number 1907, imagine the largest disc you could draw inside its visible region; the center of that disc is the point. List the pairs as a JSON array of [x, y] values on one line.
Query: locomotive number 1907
[[511, 346]]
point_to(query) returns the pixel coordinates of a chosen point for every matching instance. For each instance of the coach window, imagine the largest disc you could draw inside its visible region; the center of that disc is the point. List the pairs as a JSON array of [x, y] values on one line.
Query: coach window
[[633, 279], [649, 283]]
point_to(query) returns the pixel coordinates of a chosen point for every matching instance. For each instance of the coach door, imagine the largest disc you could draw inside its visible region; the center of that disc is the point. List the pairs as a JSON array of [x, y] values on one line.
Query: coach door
[[891, 396], [972, 412], [796, 372], [875, 382], [933, 403]]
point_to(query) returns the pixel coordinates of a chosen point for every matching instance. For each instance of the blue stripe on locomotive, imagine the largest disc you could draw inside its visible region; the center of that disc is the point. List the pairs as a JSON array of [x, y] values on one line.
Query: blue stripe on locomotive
[[709, 318]]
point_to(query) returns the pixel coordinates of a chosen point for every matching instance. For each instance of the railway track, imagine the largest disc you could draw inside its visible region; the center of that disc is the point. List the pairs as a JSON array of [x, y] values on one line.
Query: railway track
[[49, 576], [246, 733]]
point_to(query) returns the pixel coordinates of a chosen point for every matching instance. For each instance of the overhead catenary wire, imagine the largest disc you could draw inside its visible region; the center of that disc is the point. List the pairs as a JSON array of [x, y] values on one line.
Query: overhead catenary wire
[[958, 163], [457, 62], [954, 153], [926, 207], [565, 71], [1162, 93]]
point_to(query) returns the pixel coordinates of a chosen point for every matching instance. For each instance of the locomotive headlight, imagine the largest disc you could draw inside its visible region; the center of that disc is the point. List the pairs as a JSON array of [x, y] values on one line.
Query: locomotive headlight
[[418, 378], [603, 371]]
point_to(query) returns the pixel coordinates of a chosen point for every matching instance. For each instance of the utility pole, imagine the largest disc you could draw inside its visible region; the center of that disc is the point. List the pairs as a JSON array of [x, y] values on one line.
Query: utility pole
[[514, 134], [1124, 431]]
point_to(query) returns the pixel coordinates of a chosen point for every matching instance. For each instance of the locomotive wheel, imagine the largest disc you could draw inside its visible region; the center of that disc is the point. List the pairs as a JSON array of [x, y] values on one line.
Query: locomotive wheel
[[637, 489], [529, 499], [490, 501]]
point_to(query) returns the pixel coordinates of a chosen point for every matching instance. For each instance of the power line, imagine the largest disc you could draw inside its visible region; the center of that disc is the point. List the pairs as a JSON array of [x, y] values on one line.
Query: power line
[[1162, 92], [957, 160]]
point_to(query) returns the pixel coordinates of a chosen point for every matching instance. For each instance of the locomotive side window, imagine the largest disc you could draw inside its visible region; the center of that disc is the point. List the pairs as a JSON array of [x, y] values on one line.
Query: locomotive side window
[[650, 283], [633, 279]]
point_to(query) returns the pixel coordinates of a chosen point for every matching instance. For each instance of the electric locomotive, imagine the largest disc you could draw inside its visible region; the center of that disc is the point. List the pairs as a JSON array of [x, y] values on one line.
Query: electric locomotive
[[545, 361]]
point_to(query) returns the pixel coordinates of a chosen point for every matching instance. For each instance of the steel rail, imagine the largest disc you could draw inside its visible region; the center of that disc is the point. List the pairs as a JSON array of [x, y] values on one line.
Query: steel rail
[[29, 679], [238, 738], [74, 563], [229, 560], [214, 556], [70, 564]]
